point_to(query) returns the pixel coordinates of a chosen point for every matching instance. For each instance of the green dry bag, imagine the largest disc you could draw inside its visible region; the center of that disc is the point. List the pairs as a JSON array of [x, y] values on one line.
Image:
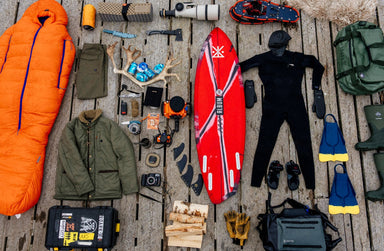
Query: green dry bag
[[360, 58]]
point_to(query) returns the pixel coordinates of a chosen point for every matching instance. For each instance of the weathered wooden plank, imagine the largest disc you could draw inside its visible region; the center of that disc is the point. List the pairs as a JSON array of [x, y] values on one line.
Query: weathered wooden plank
[[252, 40], [371, 178], [8, 15], [180, 50], [308, 45], [74, 12], [3, 222], [150, 232], [109, 103], [199, 32], [340, 220], [330, 96], [86, 36], [348, 126], [128, 205]]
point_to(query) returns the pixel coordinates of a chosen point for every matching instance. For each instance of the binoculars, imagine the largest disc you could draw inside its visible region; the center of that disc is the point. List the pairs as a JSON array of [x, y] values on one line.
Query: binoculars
[[191, 10]]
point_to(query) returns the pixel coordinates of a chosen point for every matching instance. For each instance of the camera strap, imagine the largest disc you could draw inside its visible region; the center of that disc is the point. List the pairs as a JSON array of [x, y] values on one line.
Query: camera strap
[[150, 198]]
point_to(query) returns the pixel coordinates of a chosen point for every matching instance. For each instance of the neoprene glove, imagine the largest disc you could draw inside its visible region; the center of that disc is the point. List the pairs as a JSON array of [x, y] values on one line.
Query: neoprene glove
[[318, 103], [230, 219], [242, 227]]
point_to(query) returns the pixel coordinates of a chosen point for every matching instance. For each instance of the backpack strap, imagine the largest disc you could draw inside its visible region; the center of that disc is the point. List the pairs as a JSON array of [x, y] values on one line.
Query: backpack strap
[[270, 207]]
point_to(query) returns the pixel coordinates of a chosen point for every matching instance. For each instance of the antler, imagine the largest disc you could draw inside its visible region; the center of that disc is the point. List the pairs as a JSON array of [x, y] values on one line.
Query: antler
[[132, 55]]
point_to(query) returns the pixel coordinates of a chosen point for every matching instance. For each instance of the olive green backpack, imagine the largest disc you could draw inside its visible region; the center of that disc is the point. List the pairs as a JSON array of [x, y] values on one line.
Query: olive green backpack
[[360, 58]]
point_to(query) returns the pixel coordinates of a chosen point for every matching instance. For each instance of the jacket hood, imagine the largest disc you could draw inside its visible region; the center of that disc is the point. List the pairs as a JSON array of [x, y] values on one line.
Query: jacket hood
[[90, 116], [46, 8]]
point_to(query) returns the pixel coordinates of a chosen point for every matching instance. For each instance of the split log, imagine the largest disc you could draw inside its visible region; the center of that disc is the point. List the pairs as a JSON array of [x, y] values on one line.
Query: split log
[[185, 229], [192, 241], [183, 218], [182, 207], [176, 223]]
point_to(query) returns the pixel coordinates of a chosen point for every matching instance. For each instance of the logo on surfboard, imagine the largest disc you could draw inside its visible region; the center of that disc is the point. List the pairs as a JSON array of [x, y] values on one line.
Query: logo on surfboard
[[218, 52]]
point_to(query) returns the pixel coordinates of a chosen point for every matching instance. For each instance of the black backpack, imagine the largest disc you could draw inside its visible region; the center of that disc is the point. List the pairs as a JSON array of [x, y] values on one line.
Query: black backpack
[[296, 228]]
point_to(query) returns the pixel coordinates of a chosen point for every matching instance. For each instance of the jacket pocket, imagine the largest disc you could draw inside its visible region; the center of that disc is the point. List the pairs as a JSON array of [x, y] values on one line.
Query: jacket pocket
[[108, 184], [65, 187], [65, 64]]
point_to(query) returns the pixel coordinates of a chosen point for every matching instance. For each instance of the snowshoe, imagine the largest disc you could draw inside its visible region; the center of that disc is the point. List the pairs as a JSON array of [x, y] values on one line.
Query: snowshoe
[[260, 12]]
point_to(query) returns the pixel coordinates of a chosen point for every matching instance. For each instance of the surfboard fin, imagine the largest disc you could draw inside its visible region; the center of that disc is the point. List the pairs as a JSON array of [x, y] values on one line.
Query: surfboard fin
[[181, 163], [188, 176], [178, 150], [198, 185]]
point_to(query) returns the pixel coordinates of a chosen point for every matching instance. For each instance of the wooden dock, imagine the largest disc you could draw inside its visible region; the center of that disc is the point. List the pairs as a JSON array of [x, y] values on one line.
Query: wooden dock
[[143, 220]]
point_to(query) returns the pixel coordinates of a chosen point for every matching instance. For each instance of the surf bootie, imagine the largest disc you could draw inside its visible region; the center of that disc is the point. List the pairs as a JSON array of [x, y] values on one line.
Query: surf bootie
[[379, 193], [293, 172], [375, 119], [274, 174]]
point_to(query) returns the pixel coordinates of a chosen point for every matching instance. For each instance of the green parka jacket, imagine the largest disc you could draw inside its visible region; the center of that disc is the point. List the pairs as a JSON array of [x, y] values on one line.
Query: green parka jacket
[[96, 160]]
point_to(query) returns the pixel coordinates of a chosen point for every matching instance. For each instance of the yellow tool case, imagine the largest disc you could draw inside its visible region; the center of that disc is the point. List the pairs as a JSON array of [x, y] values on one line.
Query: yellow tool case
[[87, 228]]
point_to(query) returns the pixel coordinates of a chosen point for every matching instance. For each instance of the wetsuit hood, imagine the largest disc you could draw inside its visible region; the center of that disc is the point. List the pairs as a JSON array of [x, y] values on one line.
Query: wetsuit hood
[[278, 42]]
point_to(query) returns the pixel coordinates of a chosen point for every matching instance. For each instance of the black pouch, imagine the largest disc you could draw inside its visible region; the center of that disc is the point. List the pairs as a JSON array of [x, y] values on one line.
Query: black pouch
[[153, 96], [89, 228], [249, 93]]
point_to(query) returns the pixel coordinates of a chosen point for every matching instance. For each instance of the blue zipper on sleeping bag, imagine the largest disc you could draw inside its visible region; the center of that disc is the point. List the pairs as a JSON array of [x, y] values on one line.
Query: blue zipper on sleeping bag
[[25, 79], [61, 64]]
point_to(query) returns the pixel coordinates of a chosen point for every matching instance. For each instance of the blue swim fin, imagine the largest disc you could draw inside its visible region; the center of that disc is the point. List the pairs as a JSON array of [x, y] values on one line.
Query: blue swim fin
[[332, 146], [343, 196]]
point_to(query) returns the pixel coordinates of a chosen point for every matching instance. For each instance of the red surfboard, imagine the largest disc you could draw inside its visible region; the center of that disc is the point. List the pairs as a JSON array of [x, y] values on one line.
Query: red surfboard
[[219, 108]]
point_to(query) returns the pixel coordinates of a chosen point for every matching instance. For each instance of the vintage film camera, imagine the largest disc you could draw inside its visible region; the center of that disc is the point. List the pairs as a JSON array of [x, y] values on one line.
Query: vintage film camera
[[151, 179]]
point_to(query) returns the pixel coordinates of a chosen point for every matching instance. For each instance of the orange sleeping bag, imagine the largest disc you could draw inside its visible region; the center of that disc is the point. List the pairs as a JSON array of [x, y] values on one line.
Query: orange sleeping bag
[[36, 57]]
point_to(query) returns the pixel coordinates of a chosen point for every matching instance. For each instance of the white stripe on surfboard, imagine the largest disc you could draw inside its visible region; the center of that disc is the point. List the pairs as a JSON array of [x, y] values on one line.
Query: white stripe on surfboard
[[231, 178], [210, 181], [238, 166], [204, 163]]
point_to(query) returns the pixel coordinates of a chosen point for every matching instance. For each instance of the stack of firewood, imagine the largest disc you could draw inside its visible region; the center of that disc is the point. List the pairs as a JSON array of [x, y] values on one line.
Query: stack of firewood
[[188, 225]]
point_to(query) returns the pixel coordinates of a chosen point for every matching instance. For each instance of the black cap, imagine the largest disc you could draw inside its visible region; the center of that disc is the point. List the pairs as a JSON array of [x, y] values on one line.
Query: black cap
[[278, 39]]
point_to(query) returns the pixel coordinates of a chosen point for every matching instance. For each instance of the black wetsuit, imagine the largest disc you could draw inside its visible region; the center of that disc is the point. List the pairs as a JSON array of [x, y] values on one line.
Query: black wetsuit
[[283, 100]]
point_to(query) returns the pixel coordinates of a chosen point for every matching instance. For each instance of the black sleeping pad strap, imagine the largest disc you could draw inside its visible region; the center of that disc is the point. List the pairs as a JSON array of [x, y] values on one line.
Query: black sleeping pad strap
[[124, 11]]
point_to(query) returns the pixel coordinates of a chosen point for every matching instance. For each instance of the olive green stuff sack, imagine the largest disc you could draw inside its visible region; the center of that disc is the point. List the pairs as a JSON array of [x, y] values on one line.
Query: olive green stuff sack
[[360, 58]]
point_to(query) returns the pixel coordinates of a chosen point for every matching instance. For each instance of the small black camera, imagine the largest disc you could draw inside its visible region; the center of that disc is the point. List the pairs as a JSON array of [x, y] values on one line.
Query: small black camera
[[151, 179]]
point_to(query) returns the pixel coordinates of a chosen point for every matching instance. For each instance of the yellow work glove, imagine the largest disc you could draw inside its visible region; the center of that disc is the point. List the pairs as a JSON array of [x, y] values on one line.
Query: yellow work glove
[[242, 227], [230, 219]]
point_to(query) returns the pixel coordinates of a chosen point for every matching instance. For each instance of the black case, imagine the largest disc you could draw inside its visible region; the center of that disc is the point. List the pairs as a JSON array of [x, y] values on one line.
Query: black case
[[90, 228]]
